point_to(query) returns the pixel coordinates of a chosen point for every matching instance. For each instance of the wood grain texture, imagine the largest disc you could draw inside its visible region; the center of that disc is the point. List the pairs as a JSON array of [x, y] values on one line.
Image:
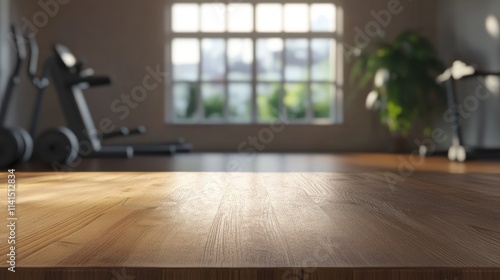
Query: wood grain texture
[[256, 226]]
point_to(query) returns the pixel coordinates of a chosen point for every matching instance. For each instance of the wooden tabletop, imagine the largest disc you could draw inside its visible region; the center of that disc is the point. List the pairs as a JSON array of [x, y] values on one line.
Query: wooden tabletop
[[128, 226]]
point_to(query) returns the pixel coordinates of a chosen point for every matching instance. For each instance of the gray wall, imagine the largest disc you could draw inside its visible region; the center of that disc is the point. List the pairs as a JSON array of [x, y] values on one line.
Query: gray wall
[[123, 37], [4, 43], [464, 36]]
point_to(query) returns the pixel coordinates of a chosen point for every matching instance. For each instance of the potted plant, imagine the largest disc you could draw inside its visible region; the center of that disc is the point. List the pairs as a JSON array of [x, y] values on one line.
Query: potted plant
[[402, 75]]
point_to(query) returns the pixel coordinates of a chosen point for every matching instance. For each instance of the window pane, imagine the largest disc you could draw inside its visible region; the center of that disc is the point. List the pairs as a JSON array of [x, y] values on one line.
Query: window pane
[[213, 101], [269, 18], [269, 59], [240, 18], [322, 95], [213, 17], [185, 59], [185, 101], [296, 60], [323, 53], [213, 63], [296, 17], [268, 96], [295, 100], [323, 17], [240, 102], [240, 59], [185, 18]]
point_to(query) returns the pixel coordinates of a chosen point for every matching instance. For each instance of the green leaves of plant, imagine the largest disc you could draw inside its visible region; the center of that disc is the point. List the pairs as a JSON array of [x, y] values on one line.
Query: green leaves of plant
[[411, 92]]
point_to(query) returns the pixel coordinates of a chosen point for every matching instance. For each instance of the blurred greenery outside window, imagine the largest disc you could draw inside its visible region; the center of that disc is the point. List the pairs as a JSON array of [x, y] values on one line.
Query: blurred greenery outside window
[[228, 69]]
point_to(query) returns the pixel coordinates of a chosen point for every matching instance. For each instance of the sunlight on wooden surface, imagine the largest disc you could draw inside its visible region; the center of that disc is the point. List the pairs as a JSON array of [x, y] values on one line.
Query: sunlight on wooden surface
[[282, 221]]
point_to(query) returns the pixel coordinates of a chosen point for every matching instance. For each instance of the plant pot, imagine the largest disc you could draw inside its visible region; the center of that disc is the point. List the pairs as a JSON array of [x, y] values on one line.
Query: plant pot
[[399, 144]]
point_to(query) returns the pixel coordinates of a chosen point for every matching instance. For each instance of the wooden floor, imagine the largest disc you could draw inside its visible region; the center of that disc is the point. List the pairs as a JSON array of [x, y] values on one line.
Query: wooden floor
[[219, 162], [362, 225]]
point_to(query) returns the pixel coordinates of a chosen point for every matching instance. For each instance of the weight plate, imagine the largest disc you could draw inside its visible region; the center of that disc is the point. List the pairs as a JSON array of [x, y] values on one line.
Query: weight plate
[[11, 147], [58, 145], [28, 144]]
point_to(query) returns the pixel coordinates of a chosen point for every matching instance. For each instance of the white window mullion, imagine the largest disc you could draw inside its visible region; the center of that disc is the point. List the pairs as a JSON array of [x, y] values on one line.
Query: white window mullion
[[170, 116], [255, 108], [309, 105], [339, 73], [282, 107], [226, 82], [226, 66], [199, 95], [201, 107]]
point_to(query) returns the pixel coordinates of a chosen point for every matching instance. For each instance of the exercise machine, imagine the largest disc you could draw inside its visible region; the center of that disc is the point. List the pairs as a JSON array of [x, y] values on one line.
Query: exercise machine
[[65, 74], [64, 144], [70, 80], [16, 144], [41, 83], [459, 151]]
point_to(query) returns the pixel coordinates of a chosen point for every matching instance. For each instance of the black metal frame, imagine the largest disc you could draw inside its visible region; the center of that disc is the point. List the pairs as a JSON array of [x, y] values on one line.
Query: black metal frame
[[70, 84], [457, 139]]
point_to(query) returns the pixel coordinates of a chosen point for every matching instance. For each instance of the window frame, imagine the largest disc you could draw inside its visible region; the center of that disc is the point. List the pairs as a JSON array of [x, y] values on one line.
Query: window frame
[[337, 82]]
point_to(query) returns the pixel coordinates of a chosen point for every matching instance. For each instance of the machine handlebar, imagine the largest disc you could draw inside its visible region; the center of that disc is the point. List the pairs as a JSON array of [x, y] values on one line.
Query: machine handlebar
[[14, 78], [33, 57], [20, 48], [92, 81]]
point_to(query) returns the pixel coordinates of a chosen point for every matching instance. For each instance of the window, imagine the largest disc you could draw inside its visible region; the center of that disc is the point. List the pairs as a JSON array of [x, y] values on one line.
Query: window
[[253, 62]]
